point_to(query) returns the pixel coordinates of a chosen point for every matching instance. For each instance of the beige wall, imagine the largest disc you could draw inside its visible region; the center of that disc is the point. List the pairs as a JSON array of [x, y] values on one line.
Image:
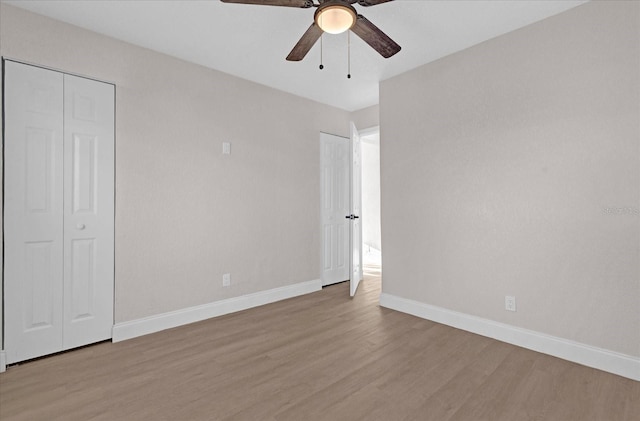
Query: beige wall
[[366, 118], [501, 166], [186, 214]]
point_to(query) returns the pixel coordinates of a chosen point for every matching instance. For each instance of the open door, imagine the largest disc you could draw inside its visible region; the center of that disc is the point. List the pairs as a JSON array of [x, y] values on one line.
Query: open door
[[356, 206], [335, 173]]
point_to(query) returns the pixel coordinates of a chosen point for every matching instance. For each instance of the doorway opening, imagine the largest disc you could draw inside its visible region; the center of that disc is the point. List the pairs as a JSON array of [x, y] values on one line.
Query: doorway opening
[[350, 228], [371, 226]]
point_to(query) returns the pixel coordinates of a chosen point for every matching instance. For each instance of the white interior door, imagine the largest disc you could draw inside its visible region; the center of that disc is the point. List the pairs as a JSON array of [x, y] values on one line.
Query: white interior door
[[89, 211], [58, 211], [33, 211], [356, 211], [335, 205]]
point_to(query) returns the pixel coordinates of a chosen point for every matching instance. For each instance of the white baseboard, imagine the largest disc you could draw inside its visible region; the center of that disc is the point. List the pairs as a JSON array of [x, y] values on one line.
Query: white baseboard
[[602, 359], [152, 324], [3, 361]]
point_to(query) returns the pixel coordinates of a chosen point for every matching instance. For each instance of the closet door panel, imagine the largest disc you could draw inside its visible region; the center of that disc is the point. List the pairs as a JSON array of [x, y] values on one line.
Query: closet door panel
[[89, 211], [33, 211], [58, 211]]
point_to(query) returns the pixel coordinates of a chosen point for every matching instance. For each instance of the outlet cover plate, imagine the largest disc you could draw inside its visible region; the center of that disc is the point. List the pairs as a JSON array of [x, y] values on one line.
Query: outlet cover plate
[[510, 303]]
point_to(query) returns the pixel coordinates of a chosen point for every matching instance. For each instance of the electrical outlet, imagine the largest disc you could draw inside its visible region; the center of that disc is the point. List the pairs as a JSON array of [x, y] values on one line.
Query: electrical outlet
[[509, 303], [226, 280], [226, 148]]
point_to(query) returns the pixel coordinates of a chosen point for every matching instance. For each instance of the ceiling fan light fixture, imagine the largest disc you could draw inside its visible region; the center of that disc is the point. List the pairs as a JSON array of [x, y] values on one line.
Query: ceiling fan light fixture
[[335, 18]]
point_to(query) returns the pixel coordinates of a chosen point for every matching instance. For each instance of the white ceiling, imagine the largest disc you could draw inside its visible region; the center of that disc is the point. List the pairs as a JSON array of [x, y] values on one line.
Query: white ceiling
[[252, 41]]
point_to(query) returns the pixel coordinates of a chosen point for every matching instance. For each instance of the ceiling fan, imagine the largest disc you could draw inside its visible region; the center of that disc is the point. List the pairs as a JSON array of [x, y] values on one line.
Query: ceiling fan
[[334, 17]]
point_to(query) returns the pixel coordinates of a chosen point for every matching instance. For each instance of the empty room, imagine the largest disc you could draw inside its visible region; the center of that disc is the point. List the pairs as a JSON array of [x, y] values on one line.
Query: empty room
[[320, 210]]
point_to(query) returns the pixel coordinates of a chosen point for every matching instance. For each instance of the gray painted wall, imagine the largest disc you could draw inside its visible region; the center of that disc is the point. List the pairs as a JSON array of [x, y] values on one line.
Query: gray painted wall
[[513, 168], [186, 214], [366, 118], [501, 165]]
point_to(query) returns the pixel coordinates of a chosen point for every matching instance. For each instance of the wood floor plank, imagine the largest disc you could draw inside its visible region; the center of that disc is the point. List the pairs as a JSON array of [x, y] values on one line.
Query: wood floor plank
[[322, 356], [451, 395]]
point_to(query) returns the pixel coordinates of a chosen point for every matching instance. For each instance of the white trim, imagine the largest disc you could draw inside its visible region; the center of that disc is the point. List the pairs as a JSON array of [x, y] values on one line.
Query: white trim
[[3, 361], [602, 359], [53, 69], [152, 324], [369, 131]]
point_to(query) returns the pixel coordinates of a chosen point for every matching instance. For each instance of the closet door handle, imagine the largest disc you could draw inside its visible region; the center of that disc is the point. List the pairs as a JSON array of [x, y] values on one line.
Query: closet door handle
[[80, 226]]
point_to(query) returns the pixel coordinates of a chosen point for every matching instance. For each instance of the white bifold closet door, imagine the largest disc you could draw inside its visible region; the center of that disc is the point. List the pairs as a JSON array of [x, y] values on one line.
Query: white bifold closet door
[[58, 211]]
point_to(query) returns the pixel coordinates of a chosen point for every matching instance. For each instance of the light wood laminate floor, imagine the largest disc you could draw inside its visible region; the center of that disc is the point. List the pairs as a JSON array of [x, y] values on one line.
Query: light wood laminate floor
[[322, 356]]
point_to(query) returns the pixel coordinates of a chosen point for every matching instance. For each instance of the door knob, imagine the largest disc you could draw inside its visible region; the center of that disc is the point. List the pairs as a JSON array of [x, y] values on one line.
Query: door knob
[[80, 226]]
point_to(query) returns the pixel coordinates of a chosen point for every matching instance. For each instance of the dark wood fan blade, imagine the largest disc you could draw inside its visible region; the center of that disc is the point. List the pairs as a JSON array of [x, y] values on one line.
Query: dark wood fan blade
[[306, 42], [373, 36], [287, 3], [367, 3]]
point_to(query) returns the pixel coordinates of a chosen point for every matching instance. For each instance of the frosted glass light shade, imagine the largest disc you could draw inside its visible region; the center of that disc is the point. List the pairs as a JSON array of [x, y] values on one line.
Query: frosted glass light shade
[[335, 19]]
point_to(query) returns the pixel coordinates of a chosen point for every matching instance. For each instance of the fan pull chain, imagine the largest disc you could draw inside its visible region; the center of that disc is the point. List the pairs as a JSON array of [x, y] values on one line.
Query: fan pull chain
[[321, 65], [349, 54]]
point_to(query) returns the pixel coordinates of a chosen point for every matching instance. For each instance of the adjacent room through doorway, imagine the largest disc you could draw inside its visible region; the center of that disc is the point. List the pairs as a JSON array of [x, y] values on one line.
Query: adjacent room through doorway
[[371, 237]]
